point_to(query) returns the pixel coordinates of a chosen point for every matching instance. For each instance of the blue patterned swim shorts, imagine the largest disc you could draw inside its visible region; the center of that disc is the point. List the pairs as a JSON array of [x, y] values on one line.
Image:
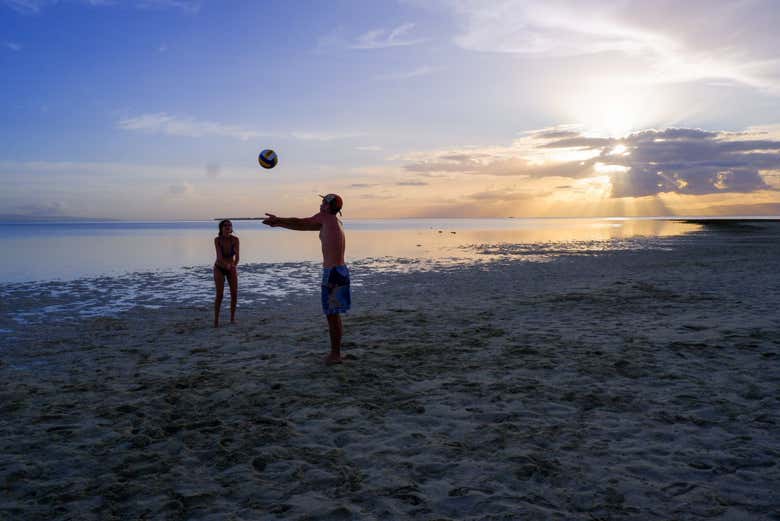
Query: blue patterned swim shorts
[[335, 290]]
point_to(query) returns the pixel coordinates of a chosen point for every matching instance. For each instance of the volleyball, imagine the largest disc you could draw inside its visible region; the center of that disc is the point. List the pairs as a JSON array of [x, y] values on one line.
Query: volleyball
[[267, 158]]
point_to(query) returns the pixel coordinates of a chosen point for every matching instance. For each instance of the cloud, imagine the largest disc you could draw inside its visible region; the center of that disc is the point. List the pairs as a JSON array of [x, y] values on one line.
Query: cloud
[[324, 136], [53, 208], [370, 148], [500, 166], [13, 46], [411, 183], [554, 133], [671, 49], [744, 210], [29, 7], [162, 123], [92, 173], [383, 39], [213, 170], [187, 6], [501, 196], [579, 141], [690, 161], [650, 162], [416, 73], [180, 189], [487, 203]]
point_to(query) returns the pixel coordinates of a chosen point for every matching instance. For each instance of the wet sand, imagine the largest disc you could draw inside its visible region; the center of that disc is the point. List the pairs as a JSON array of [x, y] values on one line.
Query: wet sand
[[623, 385]]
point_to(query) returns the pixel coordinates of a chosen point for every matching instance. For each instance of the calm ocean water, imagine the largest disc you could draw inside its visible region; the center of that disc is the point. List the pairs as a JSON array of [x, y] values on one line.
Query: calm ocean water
[[73, 250], [70, 271]]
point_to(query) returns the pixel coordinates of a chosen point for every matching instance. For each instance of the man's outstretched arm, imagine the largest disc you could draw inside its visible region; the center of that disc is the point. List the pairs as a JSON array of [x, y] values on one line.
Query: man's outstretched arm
[[293, 223]]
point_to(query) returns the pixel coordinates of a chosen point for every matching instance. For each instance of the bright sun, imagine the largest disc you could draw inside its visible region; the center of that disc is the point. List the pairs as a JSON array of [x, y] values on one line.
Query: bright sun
[[619, 150], [611, 107], [613, 116]]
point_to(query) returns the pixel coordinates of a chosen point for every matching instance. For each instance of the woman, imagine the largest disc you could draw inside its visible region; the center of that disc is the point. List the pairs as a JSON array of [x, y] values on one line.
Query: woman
[[226, 245]]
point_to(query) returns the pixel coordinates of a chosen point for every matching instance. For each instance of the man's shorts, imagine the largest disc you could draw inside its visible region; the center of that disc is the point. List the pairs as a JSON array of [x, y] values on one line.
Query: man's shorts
[[335, 290]]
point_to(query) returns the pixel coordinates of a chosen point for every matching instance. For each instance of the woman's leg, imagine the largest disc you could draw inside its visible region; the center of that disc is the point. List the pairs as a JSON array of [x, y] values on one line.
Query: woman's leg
[[233, 281], [219, 282]]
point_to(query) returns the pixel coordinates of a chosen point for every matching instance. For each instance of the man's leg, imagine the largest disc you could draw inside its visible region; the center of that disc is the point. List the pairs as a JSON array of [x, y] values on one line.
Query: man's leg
[[336, 330]]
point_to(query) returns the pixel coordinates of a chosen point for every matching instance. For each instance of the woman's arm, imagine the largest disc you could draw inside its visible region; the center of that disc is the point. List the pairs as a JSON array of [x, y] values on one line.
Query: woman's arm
[[237, 245], [221, 262]]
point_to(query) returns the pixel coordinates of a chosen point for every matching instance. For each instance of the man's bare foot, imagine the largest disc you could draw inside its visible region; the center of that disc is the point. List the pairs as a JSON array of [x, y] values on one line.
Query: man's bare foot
[[332, 359]]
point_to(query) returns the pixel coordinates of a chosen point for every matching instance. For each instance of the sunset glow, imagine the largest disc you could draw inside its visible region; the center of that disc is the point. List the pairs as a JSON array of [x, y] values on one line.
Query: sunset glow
[[568, 108]]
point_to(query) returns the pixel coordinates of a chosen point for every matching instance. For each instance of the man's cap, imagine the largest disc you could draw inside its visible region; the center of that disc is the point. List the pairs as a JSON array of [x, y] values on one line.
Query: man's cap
[[334, 201]]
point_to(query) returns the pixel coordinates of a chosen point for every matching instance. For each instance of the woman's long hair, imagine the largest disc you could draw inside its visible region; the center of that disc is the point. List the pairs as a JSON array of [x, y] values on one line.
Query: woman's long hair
[[221, 224]]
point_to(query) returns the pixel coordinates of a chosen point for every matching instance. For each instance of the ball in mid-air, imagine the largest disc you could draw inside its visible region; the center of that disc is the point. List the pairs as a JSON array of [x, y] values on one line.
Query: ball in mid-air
[[268, 158]]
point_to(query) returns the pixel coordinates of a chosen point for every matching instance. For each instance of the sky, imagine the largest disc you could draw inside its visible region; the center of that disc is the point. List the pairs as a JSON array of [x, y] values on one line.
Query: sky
[[158, 109]]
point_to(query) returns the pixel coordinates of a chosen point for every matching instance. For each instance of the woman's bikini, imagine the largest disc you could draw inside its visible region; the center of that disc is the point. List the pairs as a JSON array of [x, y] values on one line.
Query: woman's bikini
[[226, 255]]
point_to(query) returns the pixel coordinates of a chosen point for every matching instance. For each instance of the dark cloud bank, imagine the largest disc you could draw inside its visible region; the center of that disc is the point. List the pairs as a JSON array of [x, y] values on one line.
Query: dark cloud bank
[[685, 161]]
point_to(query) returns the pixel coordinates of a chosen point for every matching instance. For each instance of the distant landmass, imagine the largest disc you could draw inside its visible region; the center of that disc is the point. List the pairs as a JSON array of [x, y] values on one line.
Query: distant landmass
[[49, 218], [769, 209], [240, 218]]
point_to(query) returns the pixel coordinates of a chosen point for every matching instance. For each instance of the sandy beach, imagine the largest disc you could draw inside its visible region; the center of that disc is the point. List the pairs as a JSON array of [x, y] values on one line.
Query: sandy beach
[[628, 384]]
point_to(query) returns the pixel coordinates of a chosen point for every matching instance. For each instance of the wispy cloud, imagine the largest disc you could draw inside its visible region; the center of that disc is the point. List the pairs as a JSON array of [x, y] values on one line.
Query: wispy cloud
[[405, 75], [36, 6], [13, 46], [162, 123], [28, 6], [10, 170], [180, 189], [550, 28], [650, 162], [167, 124], [502, 195], [53, 208], [383, 38], [676, 49], [188, 6], [324, 136]]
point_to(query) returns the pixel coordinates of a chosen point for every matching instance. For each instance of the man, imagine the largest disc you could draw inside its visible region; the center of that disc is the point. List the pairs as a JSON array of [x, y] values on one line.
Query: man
[[335, 275]]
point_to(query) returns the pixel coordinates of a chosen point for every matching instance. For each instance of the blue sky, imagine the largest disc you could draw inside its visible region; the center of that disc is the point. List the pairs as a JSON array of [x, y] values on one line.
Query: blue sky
[[156, 109]]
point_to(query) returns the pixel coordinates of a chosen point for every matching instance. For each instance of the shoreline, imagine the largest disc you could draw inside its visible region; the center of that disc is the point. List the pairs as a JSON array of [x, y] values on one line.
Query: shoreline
[[627, 384], [185, 245], [25, 219], [54, 301]]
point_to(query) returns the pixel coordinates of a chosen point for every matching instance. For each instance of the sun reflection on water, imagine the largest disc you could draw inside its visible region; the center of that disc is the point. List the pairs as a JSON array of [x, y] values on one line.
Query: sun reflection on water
[[441, 246]]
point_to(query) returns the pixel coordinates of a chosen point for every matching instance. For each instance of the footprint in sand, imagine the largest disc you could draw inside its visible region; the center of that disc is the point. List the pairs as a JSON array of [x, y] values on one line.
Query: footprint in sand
[[259, 464]]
